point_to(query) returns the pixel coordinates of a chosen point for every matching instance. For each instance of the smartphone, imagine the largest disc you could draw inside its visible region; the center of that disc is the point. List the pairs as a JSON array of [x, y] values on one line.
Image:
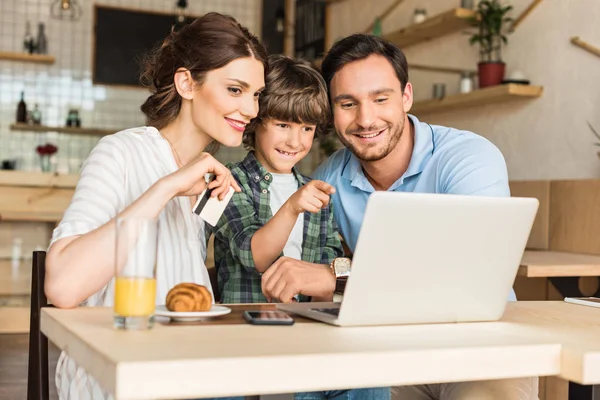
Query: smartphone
[[584, 301], [271, 317]]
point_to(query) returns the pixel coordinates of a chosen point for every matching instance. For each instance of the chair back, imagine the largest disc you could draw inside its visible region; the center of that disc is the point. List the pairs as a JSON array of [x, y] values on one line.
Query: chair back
[[212, 274], [37, 369]]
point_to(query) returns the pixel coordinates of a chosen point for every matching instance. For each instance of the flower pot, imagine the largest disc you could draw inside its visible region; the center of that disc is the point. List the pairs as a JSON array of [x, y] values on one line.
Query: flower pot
[[490, 73]]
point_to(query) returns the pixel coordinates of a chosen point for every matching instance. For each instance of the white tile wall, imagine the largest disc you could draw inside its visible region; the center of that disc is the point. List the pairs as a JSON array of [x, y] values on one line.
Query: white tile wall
[[67, 83]]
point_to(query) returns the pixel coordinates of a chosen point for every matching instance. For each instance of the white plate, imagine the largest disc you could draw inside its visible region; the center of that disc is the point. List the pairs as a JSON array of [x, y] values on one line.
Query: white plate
[[215, 311]]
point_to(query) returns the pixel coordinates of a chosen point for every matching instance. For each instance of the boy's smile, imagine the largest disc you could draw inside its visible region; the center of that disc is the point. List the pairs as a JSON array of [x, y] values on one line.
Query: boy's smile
[[287, 153], [280, 145]]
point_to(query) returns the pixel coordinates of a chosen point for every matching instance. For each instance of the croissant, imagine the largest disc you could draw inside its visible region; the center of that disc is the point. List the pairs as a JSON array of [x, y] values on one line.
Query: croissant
[[188, 297]]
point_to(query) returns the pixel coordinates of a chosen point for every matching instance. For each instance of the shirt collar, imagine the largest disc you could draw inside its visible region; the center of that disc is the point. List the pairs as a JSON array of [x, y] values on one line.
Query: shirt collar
[[257, 172], [422, 150]]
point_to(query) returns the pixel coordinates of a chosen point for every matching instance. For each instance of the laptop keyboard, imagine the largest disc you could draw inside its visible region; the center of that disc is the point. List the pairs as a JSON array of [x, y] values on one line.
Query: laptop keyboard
[[331, 311]]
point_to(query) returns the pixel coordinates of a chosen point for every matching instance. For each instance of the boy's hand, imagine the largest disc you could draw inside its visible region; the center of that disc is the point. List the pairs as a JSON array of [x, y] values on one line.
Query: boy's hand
[[311, 197], [288, 277]]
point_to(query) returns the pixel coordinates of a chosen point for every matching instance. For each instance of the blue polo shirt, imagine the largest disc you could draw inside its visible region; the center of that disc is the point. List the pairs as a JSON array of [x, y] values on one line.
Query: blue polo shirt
[[444, 160]]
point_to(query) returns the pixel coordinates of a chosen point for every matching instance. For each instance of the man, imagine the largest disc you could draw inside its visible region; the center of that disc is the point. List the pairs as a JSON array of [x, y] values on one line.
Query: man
[[388, 149]]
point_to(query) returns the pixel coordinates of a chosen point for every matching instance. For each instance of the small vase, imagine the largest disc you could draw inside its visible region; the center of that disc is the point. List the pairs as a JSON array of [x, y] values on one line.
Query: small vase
[[45, 163]]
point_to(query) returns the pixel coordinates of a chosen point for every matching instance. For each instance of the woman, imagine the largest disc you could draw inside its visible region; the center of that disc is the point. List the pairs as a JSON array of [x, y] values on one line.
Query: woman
[[205, 81]]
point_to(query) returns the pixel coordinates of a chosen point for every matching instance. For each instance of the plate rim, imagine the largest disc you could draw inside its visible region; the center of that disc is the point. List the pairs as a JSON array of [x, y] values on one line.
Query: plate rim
[[192, 314]]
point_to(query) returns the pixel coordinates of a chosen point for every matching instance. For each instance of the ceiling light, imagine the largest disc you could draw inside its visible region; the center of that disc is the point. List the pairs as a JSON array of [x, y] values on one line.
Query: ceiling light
[[65, 9]]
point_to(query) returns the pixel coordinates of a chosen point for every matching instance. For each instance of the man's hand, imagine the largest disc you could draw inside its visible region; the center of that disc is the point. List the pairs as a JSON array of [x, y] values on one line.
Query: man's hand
[[288, 277]]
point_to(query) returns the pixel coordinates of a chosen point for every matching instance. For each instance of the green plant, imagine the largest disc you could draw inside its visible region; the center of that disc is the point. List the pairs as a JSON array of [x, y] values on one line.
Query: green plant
[[595, 134], [327, 144], [490, 17]]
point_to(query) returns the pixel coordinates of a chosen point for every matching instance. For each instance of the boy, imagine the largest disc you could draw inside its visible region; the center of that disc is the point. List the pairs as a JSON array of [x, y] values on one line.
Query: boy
[[279, 211]]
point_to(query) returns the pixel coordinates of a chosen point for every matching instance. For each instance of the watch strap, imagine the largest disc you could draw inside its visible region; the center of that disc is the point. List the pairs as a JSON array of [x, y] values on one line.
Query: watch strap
[[340, 285]]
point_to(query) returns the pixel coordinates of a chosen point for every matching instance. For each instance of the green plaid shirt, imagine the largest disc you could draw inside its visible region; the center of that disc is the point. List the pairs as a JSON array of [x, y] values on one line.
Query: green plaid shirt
[[247, 212]]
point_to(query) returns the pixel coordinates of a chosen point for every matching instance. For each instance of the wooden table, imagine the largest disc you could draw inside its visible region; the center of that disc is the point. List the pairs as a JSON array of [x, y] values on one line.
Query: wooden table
[[233, 358], [545, 264]]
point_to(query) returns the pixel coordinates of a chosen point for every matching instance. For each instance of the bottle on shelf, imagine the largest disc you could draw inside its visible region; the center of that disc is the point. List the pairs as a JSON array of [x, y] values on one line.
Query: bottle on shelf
[[36, 116], [419, 15], [22, 110], [73, 118], [469, 4], [28, 42], [42, 41], [466, 82], [377, 27], [16, 256]]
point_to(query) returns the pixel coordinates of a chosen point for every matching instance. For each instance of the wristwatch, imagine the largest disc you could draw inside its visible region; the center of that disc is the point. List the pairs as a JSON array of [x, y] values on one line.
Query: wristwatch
[[340, 268]]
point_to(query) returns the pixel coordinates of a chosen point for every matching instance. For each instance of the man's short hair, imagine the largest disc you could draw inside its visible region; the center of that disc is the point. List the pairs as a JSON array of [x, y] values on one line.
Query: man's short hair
[[294, 92], [358, 47]]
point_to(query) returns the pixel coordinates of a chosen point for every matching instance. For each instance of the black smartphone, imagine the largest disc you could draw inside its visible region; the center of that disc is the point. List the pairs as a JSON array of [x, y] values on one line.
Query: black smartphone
[[270, 317]]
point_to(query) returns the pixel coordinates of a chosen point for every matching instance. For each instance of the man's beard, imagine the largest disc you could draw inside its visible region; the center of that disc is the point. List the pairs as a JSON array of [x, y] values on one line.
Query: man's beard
[[371, 152]]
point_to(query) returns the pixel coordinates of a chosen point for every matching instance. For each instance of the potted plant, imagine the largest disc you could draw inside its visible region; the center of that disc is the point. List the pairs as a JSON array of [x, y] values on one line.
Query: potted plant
[[490, 19], [597, 136]]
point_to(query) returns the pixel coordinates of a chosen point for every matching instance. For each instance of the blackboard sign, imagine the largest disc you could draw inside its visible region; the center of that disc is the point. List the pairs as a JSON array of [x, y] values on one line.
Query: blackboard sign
[[121, 38], [273, 22], [310, 29]]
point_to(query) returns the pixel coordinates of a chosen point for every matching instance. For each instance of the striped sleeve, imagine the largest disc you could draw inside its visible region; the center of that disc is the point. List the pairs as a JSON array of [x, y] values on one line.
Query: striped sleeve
[[100, 192]]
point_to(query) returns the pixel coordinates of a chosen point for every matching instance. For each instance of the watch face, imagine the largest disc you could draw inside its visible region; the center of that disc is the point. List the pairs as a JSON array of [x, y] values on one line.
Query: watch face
[[342, 266]]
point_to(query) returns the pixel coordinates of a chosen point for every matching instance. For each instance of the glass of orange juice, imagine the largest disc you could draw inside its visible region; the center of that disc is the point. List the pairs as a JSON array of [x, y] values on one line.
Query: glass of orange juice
[[135, 273]]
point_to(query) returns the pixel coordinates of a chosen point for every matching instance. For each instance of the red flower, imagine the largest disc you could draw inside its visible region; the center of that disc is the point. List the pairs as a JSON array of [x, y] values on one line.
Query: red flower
[[46, 149]]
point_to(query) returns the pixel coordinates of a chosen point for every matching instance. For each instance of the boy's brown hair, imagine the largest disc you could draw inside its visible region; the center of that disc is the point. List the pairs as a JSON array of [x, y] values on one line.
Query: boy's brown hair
[[294, 92]]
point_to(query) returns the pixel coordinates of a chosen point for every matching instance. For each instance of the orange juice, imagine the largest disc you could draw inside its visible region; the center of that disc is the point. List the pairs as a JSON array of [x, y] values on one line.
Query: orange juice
[[135, 297]]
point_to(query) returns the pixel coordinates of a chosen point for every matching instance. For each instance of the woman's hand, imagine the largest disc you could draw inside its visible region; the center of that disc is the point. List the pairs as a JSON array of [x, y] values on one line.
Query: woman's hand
[[190, 181]]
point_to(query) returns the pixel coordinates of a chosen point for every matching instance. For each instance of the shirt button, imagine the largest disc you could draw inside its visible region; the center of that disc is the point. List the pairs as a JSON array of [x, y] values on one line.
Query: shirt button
[[256, 177], [264, 191], [267, 177]]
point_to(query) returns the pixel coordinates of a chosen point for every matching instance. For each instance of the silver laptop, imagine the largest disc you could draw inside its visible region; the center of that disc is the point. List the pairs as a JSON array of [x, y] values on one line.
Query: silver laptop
[[431, 258]]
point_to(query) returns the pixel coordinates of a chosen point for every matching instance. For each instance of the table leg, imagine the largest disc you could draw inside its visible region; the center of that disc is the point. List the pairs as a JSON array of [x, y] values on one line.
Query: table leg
[[583, 392]]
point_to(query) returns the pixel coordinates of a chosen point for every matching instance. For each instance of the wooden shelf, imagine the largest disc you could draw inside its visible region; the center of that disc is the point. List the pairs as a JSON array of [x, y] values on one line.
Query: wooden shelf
[[35, 196], [34, 203], [13, 216], [14, 320], [38, 179], [489, 95], [62, 129], [434, 27], [545, 264], [35, 58], [18, 285]]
